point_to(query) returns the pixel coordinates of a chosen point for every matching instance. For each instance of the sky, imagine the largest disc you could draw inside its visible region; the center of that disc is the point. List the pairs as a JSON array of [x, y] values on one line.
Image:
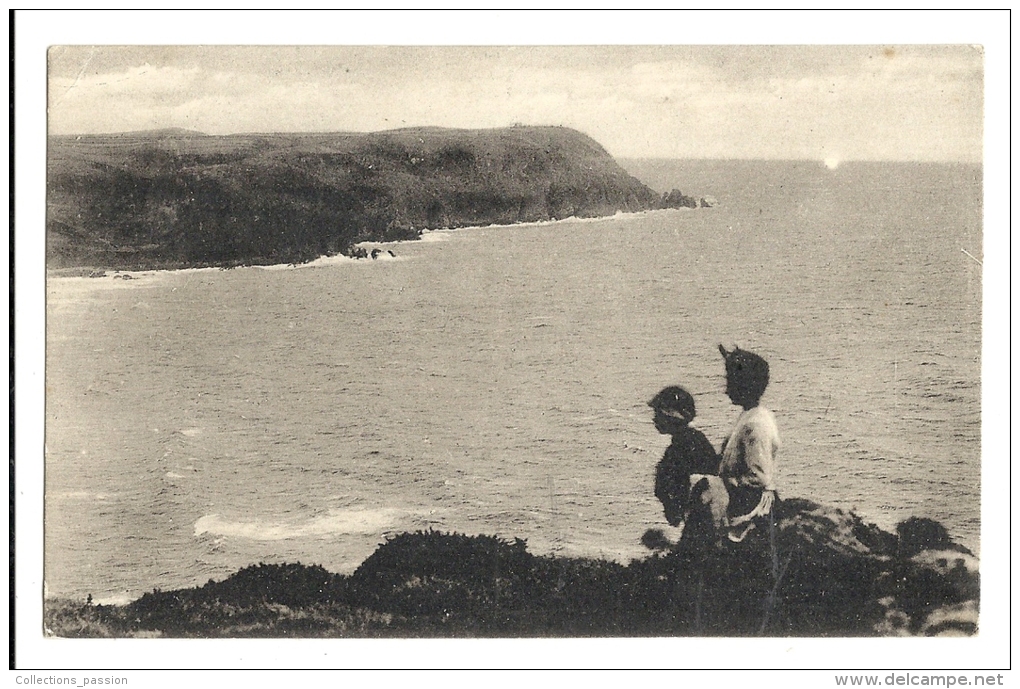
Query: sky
[[821, 102]]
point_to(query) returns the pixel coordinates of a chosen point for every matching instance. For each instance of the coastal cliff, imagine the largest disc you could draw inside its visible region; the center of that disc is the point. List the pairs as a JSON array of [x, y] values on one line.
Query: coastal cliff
[[823, 572], [175, 198]]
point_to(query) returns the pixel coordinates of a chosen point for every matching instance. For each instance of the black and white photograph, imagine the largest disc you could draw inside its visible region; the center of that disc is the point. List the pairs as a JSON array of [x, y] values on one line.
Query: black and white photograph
[[417, 340]]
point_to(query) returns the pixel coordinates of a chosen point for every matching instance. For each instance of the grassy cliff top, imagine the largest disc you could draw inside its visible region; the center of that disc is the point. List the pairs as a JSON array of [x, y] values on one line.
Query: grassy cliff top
[[173, 198]]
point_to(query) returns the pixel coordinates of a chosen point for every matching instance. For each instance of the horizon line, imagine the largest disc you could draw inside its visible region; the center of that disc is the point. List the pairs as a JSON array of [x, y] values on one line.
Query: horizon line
[[839, 159]]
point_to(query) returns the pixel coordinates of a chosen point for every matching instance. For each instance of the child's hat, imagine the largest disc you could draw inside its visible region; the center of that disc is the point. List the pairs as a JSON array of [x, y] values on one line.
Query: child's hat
[[674, 401], [744, 363], [747, 370]]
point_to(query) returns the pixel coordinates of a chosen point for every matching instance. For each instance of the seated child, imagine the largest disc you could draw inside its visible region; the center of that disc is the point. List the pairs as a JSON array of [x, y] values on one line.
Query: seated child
[[690, 452], [748, 466]]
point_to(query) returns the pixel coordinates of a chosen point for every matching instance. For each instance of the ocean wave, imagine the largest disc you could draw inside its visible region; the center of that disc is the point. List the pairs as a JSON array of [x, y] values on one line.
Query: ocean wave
[[116, 599], [335, 522]]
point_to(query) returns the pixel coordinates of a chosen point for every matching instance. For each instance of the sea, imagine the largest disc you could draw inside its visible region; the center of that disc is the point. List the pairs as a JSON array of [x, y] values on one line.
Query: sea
[[495, 380]]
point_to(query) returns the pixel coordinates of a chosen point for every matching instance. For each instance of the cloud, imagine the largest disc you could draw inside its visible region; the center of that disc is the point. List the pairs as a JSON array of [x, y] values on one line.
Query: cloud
[[142, 82], [869, 102], [104, 102]]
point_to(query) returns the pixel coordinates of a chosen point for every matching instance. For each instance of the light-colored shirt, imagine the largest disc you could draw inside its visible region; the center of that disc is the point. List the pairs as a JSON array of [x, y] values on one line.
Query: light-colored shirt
[[749, 456]]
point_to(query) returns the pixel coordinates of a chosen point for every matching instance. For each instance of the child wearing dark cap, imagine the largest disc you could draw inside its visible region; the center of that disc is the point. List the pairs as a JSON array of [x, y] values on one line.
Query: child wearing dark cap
[[690, 452], [748, 466]]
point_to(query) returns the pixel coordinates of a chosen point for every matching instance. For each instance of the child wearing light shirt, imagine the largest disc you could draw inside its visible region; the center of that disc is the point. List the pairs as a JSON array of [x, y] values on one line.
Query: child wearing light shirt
[[748, 466]]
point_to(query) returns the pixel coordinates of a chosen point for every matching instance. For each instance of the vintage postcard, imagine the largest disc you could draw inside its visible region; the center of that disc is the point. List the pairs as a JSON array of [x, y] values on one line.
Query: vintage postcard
[[499, 341]]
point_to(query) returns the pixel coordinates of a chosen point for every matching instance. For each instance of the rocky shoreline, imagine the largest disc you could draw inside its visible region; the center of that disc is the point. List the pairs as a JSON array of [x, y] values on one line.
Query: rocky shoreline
[[177, 199], [823, 572]]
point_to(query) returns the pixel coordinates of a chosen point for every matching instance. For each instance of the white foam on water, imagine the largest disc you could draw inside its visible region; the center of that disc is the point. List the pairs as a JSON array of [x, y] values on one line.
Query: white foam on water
[[75, 286], [335, 522], [277, 266], [347, 260], [435, 235], [444, 234], [117, 599], [331, 260], [79, 495]]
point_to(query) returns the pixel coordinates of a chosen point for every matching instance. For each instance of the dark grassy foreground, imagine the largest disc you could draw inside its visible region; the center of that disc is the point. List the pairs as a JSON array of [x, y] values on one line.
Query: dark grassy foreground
[[173, 198], [832, 575]]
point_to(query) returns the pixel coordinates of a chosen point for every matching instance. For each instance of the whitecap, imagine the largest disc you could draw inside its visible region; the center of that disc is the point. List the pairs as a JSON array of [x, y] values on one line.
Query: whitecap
[[78, 495], [334, 522], [117, 599], [336, 259]]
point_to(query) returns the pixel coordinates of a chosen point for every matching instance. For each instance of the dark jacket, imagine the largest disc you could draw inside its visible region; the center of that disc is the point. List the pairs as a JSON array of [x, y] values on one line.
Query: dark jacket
[[689, 453]]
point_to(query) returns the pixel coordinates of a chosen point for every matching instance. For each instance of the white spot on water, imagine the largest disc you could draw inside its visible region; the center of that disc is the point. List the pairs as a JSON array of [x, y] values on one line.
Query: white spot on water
[[330, 524], [115, 599], [435, 235]]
